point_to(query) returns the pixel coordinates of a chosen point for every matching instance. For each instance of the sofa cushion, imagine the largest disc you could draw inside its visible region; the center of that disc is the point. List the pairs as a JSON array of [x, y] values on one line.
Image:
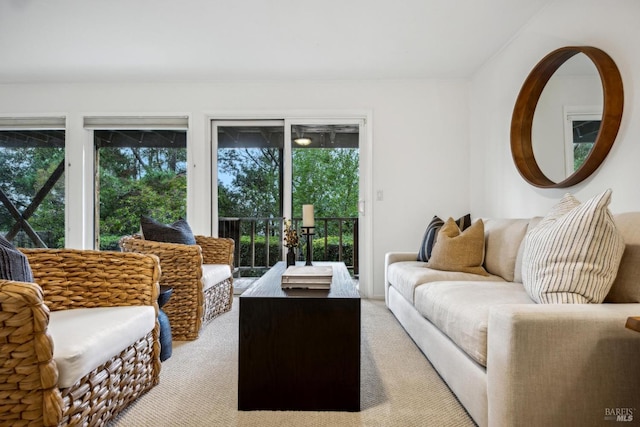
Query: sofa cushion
[[404, 276], [177, 232], [517, 274], [431, 235], [502, 241], [573, 255], [13, 263], [213, 274], [458, 250], [460, 310], [85, 338], [626, 288]]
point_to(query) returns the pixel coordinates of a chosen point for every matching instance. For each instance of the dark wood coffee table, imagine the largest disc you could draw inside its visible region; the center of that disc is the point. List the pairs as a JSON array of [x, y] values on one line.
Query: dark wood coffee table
[[300, 349]]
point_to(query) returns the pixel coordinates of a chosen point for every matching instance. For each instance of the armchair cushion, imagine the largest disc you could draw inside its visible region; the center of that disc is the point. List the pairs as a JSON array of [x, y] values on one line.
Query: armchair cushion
[[178, 232], [13, 264], [85, 338], [214, 273]]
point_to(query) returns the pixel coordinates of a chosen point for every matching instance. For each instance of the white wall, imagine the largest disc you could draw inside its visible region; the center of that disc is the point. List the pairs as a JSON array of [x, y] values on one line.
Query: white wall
[[562, 96], [496, 186], [439, 147], [420, 142]]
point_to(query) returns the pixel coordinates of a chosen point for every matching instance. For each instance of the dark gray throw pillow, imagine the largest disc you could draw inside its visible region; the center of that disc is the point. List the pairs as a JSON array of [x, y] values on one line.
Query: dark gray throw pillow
[[431, 235], [178, 232], [13, 263]]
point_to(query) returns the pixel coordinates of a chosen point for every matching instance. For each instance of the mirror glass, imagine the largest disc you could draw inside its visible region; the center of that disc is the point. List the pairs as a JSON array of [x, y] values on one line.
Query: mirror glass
[[579, 112], [567, 118]]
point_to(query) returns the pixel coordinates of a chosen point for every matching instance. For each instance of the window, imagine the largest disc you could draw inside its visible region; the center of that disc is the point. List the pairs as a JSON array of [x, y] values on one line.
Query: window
[[581, 131], [584, 136], [32, 192], [138, 172]]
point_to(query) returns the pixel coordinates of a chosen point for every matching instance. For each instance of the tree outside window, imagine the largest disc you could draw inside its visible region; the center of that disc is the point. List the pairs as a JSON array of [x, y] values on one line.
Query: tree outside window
[[139, 173], [32, 192]]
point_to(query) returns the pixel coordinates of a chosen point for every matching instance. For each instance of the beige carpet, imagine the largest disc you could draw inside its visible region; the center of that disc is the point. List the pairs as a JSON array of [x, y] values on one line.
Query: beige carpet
[[198, 384]]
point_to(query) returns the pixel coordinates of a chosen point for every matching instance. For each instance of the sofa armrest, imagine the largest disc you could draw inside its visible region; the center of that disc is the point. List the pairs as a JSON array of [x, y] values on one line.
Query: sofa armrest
[[565, 364], [390, 258], [72, 278], [216, 250], [29, 374]]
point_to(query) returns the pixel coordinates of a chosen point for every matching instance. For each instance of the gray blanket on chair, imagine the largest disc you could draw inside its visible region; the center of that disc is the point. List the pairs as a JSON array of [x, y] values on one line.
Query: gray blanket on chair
[[13, 263]]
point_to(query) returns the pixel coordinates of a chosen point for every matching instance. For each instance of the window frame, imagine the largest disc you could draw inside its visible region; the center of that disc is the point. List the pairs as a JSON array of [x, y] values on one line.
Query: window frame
[[91, 123], [29, 123]]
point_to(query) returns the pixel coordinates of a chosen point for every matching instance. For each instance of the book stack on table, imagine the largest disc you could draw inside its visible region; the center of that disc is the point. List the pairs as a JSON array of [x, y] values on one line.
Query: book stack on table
[[308, 277]]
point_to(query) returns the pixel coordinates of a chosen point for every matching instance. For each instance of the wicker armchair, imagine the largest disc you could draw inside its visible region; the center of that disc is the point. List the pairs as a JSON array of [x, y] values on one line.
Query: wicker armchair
[[190, 306], [66, 279]]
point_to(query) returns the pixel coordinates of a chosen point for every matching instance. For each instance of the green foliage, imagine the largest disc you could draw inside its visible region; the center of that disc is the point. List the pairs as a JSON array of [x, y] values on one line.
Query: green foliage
[[254, 189], [580, 153], [275, 247], [128, 192], [110, 242], [249, 187], [325, 177], [23, 172], [328, 179], [132, 181], [331, 250], [321, 252], [139, 180]]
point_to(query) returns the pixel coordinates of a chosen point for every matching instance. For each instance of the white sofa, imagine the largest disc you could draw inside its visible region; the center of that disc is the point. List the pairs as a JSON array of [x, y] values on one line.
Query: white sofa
[[510, 361]]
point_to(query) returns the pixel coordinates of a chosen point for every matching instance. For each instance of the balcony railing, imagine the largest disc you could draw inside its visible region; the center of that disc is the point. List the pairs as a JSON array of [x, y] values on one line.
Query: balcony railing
[[259, 242]]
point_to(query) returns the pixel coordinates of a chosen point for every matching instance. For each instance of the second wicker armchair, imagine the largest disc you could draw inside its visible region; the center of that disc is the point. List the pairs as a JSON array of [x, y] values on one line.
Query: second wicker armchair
[[200, 275]]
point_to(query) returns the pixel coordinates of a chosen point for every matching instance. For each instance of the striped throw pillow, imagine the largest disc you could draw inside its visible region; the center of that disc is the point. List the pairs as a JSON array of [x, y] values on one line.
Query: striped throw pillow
[[572, 255], [431, 235]]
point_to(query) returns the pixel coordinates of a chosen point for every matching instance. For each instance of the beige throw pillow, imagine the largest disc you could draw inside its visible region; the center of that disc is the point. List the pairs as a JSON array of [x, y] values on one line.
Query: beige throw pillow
[[573, 255], [459, 251]]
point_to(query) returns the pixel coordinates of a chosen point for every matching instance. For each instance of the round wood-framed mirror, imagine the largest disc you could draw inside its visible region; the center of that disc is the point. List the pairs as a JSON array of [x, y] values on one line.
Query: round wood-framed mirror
[[524, 110]]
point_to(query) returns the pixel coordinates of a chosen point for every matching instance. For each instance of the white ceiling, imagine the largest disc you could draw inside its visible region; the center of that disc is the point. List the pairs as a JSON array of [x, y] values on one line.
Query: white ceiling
[[214, 40]]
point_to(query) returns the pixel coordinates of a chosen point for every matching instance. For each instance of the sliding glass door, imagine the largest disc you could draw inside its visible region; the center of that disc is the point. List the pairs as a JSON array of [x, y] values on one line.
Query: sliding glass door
[[265, 170], [249, 168], [325, 174]]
